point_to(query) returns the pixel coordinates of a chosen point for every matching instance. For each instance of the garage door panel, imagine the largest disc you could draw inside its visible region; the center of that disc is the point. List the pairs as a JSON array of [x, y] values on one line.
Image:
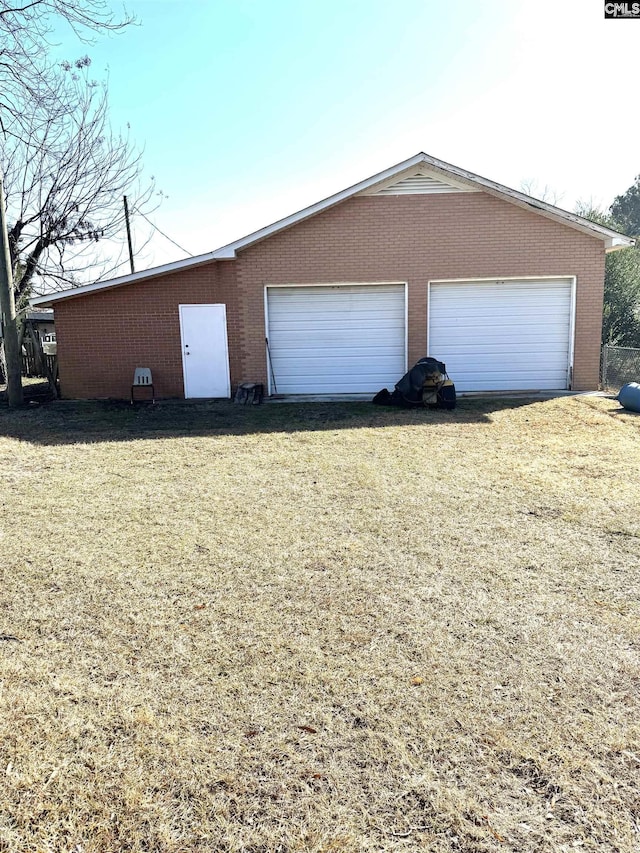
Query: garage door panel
[[496, 361], [501, 314], [329, 305], [508, 302], [336, 338], [498, 331], [466, 290], [544, 372], [334, 385], [298, 311], [516, 345], [318, 364], [502, 335], [332, 343], [546, 384], [498, 318], [507, 308], [512, 375], [341, 292], [316, 317], [337, 327], [390, 352]]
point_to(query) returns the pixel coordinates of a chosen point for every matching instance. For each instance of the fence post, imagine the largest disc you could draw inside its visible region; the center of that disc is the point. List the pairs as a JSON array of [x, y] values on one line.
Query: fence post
[[605, 365]]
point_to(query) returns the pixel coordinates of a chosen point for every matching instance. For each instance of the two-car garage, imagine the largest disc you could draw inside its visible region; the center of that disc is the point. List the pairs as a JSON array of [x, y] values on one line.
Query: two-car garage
[[352, 338], [422, 258]]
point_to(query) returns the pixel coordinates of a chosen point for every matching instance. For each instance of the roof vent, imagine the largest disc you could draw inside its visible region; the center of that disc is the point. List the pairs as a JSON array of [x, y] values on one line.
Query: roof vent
[[415, 184], [419, 183]]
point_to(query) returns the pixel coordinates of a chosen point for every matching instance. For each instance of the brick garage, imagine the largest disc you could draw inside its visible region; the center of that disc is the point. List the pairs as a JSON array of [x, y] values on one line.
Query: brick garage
[[417, 223]]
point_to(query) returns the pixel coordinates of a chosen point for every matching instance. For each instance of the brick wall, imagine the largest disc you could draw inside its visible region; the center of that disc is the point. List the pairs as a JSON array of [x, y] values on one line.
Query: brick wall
[[418, 238], [102, 337], [415, 238]]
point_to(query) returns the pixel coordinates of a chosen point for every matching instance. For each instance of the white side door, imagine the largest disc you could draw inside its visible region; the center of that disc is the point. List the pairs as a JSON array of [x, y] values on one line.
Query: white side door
[[205, 352]]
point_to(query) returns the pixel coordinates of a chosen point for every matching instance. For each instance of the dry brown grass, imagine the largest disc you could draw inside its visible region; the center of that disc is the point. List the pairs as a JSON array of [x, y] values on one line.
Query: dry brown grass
[[320, 628]]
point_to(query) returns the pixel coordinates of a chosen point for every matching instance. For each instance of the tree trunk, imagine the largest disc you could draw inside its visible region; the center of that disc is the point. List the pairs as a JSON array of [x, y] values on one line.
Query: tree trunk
[[11, 344]]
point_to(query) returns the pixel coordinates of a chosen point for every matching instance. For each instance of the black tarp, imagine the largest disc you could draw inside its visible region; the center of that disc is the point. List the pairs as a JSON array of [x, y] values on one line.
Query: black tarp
[[428, 373]]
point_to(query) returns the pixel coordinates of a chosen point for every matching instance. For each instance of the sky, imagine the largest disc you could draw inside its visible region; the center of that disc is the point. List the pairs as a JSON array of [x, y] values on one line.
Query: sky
[[248, 110]]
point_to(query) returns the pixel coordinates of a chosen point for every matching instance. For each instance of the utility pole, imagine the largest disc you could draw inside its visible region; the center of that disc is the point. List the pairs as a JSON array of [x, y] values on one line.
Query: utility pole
[[13, 357], [126, 219]]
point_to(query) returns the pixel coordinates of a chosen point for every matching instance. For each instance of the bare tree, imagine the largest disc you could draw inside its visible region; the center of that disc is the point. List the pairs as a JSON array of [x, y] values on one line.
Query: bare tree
[[10, 350], [65, 175], [65, 168], [35, 17], [530, 186], [26, 30]]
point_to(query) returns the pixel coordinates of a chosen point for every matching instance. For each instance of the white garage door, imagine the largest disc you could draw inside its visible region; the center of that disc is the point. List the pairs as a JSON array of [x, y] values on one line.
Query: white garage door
[[336, 339], [502, 335]]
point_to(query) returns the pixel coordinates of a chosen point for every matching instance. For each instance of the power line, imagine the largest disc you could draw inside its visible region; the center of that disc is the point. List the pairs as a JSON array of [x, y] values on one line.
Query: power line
[[166, 236]]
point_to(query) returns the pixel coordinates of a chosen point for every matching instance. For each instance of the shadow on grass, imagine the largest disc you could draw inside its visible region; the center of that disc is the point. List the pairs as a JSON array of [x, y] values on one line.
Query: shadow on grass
[[622, 411], [62, 422]]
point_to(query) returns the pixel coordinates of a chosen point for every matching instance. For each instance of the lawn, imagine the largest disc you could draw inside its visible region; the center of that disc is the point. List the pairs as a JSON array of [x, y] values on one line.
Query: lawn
[[323, 627]]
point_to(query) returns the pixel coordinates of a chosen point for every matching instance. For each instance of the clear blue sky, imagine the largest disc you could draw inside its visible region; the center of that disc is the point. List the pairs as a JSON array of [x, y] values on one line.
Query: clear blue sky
[[249, 110]]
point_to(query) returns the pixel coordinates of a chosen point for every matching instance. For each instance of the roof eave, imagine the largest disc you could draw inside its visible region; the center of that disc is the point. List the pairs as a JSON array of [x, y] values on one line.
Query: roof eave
[[613, 244], [48, 300], [608, 235], [612, 239], [230, 251], [446, 169]]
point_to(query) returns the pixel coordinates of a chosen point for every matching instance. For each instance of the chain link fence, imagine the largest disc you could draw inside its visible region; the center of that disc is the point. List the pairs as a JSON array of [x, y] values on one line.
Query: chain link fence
[[619, 366]]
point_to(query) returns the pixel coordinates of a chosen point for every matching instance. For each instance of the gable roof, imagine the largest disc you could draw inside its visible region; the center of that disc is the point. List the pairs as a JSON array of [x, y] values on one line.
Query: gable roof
[[432, 174]]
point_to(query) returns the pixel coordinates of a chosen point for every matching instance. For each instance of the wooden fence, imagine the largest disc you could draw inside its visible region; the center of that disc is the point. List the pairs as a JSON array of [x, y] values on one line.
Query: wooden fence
[[32, 360], [35, 362]]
